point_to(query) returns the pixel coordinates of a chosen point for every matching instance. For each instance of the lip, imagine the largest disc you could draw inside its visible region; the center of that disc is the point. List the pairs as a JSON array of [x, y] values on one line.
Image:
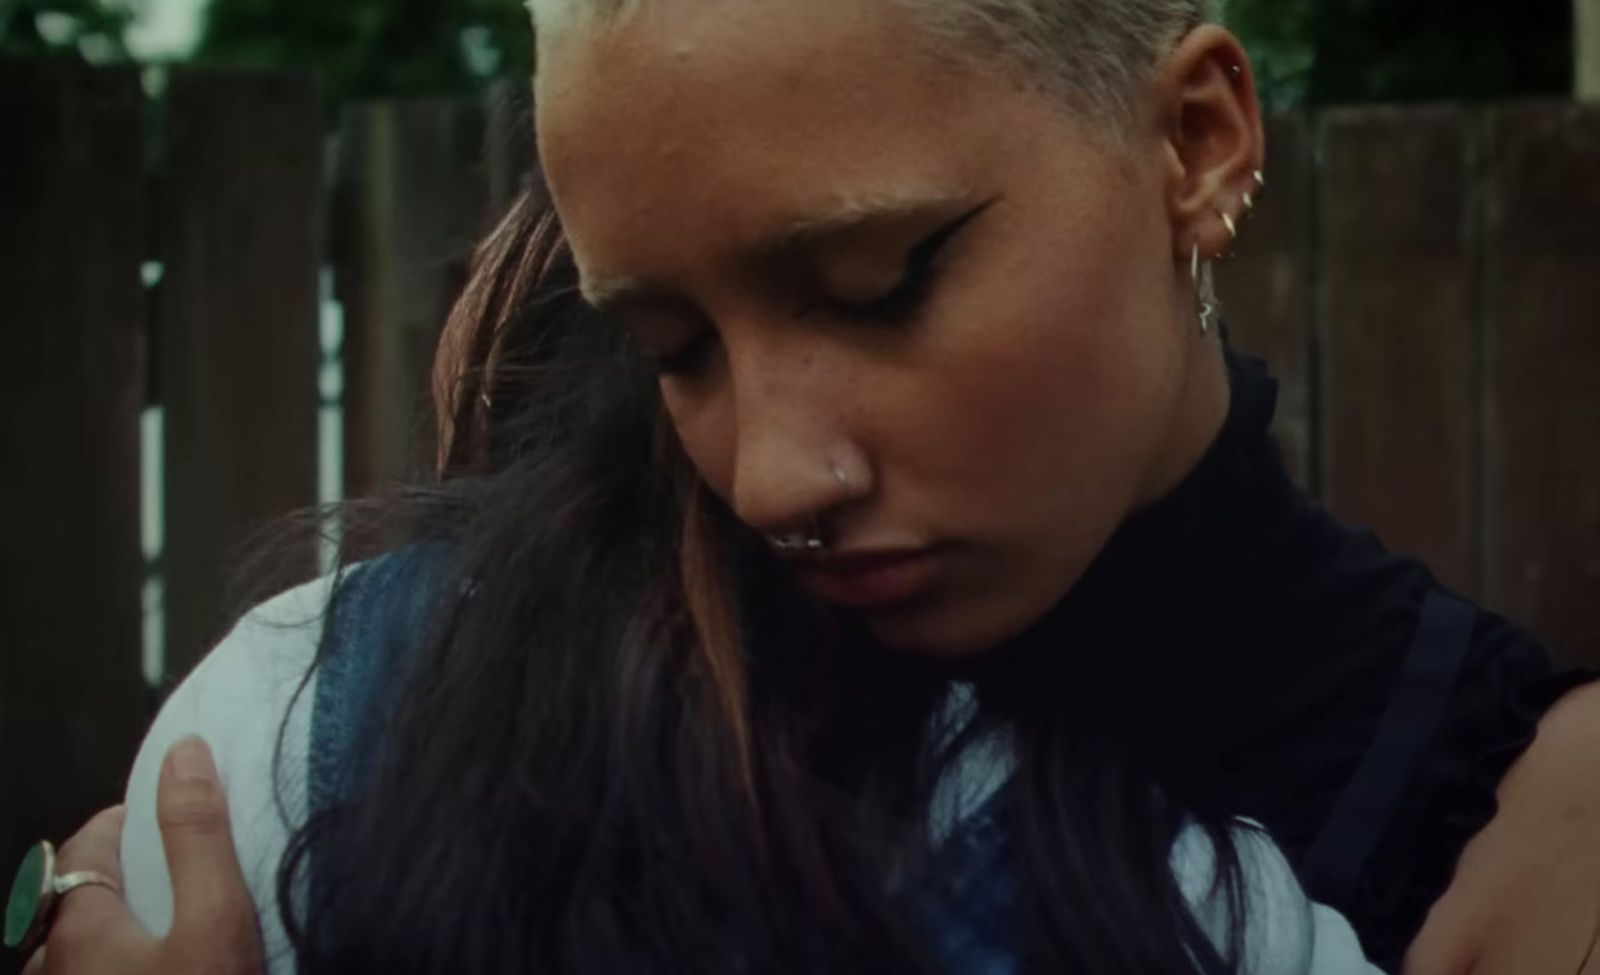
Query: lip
[[867, 579]]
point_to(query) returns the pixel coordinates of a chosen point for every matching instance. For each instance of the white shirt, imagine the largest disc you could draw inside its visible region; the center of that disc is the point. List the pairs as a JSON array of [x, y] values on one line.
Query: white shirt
[[238, 697]]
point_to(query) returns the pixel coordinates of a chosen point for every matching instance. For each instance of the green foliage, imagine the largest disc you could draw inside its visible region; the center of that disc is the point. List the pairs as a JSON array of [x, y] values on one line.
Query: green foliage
[[373, 47], [1336, 51], [1378, 50], [1305, 51], [82, 29], [1282, 46]]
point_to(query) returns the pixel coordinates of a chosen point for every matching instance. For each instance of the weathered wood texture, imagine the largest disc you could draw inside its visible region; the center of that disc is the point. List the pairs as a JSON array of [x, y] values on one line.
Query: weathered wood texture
[[71, 242], [240, 235], [412, 195], [1265, 288], [1396, 319], [1543, 310]]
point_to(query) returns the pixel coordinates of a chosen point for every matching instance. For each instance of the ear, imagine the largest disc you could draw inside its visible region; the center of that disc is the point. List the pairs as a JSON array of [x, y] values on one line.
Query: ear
[[1211, 124]]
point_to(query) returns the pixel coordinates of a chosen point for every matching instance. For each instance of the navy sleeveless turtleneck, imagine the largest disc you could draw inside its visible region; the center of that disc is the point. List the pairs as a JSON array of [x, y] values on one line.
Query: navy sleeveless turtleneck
[[1287, 668]]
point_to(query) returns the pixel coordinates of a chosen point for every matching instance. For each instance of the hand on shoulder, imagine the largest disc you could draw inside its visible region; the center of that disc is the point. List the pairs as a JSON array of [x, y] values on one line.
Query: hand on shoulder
[[245, 700], [1525, 899], [214, 929]]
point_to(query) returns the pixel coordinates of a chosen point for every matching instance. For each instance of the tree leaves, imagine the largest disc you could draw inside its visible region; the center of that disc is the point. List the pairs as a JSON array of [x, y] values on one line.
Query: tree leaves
[[375, 47], [1337, 51], [1305, 51], [89, 30]]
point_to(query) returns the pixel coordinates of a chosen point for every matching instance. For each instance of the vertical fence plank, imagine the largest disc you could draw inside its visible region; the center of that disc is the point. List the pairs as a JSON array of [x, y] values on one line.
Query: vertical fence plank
[[1544, 372], [412, 197], [72, 698], [1398, 331], [1265, 288], [238, 331]]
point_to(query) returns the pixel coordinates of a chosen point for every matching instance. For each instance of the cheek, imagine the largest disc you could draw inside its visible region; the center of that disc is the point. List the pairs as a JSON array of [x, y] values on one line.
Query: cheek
[[705, 429], [1049, 396], [1026, 440], [1031, 440]]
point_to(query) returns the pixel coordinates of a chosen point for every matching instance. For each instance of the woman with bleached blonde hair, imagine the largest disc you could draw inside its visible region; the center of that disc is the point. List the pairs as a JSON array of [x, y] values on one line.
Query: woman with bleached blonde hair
[[860, 553]]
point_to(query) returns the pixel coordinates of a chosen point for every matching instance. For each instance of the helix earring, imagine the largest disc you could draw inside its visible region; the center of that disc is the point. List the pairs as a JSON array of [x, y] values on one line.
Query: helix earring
[[1200, 275], [1261, 180], [1227, 221]]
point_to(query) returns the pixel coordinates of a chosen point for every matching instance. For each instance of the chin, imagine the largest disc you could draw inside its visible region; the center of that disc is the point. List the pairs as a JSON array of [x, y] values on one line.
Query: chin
[[945, 630]]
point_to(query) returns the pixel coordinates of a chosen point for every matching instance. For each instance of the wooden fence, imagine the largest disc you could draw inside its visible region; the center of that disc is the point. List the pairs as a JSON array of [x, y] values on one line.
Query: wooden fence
[[230, 195], [1425, 282]]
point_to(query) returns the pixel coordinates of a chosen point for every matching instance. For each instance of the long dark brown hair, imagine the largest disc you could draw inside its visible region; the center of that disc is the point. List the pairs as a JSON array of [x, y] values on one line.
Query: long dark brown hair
[[629, 746]]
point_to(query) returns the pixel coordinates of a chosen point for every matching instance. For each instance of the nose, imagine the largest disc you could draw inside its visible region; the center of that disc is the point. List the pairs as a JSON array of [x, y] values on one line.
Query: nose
[[796, 459]]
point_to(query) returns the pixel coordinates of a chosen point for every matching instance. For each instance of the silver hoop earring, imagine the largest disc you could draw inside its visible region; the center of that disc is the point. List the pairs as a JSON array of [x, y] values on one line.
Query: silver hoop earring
[[1200, 275]]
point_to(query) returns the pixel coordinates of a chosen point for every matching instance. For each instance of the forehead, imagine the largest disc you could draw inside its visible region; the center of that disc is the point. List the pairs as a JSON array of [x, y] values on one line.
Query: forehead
[[778, 54], [718, 120]]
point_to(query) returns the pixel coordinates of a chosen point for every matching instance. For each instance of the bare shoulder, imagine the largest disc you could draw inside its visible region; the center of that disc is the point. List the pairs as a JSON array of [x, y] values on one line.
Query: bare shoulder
[[1525, 898]]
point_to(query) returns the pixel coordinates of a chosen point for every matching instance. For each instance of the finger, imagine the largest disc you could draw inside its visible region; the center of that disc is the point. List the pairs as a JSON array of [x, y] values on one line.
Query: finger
[[92, 912], [35, 965], [208, 887], [97, 846]]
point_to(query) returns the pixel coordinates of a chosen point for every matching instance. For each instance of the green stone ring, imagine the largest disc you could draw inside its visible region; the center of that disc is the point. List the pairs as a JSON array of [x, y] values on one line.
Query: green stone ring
[[37, 891]]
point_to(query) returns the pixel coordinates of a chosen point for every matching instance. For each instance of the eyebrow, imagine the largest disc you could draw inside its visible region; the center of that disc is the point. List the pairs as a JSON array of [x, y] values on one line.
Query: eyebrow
[[792, 238]]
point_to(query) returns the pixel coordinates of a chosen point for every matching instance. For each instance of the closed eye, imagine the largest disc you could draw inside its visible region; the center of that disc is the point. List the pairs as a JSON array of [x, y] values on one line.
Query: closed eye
[[921, 270]]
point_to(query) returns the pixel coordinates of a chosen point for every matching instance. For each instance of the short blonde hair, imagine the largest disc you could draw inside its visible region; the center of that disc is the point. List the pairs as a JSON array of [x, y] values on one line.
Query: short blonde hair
[[1094, 53]]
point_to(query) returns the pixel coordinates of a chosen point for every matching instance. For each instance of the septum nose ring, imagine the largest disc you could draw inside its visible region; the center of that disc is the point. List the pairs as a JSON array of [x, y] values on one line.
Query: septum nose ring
[[798, 543], [809, 541]]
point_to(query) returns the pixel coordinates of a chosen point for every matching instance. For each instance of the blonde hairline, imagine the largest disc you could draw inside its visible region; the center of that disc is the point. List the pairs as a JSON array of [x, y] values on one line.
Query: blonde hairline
[[1094, 54]]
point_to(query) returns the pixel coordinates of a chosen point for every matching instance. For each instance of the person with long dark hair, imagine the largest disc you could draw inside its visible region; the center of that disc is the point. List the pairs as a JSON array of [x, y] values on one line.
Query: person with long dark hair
[[857, 550]]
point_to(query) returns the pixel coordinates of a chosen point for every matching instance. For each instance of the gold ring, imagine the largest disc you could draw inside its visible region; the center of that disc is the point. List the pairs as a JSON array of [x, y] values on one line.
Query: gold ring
[[69, 882]]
